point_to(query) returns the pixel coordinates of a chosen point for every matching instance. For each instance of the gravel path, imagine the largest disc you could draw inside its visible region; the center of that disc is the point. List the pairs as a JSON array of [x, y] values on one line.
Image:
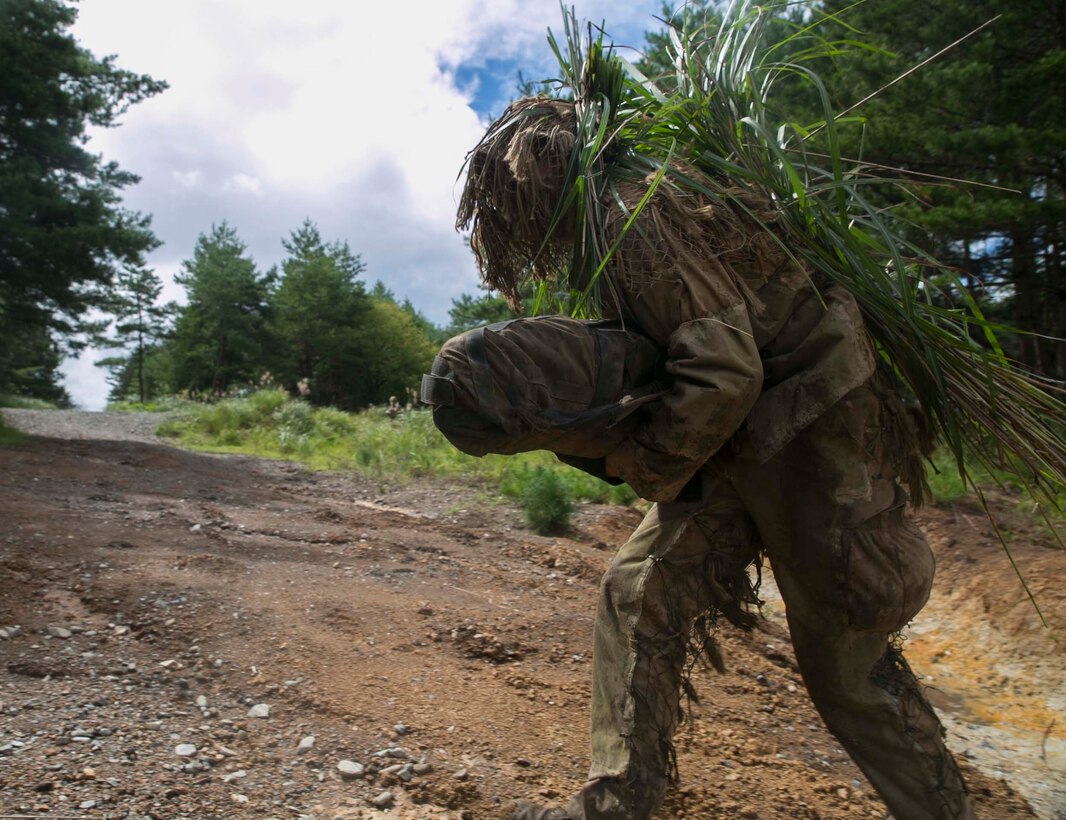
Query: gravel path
[[82, 424]]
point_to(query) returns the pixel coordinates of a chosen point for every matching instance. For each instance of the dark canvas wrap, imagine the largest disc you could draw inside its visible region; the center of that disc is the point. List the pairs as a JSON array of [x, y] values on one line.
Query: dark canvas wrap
[[544, 383]]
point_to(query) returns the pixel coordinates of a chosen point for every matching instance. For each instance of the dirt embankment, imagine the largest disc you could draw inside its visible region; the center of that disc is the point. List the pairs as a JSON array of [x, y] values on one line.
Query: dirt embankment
[[423, 638]]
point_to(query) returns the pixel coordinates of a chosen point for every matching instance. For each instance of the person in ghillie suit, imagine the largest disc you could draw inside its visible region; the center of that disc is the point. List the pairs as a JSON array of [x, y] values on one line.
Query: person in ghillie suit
[[779, 437]]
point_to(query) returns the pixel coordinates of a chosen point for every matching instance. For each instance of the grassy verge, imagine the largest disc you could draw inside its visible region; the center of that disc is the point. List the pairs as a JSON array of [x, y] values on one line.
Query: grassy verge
[[269, 423], [164, 404], [24, 403], [9, 435], [947, 485]]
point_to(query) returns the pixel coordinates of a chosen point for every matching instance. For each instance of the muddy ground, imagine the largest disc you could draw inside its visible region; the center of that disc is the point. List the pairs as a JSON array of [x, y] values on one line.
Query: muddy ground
[[154, 601]]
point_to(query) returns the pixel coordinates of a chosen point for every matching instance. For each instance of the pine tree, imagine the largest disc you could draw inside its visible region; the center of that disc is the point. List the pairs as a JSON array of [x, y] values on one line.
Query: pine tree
[[320, 307], [220, 336], [140, 322], [63, 230]]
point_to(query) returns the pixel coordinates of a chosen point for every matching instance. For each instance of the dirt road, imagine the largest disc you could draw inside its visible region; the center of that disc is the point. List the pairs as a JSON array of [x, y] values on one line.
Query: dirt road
[[417, 652]]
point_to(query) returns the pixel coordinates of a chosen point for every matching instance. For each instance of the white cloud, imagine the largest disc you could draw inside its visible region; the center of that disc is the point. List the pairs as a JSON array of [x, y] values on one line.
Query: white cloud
[[188, 179], [347, 113], [246, 183]]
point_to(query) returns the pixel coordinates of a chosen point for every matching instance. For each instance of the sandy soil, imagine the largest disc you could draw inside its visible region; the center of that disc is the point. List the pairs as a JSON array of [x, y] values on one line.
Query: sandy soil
[[153, 600]]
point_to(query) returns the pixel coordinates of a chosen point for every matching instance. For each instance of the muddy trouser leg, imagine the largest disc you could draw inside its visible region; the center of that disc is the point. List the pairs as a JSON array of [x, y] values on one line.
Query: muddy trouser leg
[[682, 558], [872, 703], [852, 571]]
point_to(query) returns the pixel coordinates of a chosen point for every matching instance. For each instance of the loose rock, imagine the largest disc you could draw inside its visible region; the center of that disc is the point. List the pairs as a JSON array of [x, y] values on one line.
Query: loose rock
[[383, 800], [350, 770]]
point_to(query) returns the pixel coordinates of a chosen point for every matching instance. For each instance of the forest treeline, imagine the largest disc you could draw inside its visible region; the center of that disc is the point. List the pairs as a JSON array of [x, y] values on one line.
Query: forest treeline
[[312, 326], [990, 110]]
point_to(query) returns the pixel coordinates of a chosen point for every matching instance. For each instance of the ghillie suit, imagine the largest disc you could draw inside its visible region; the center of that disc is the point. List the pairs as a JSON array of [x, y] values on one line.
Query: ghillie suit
[[791, 324]]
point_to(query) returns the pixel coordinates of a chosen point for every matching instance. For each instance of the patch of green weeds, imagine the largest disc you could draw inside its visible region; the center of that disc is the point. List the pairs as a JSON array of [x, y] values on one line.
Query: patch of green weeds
[[269, 423], [546, 502], [9, 435], [24, 402]]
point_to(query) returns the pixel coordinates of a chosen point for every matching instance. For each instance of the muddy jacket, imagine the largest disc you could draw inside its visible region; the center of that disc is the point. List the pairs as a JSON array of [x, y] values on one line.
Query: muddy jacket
[[749, 342]]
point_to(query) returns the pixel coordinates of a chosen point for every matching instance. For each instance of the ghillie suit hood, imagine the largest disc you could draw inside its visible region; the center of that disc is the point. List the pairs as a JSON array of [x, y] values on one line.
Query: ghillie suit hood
[[515, 181]]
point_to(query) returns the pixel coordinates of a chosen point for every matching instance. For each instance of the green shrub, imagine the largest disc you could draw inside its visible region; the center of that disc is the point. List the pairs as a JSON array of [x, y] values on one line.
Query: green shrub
[[264, 403], [546, 503], [294, 425]]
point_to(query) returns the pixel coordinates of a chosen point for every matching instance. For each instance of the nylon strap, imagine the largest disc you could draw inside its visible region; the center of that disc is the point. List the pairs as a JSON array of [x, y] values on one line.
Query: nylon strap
[[608, 369], [437, 391]]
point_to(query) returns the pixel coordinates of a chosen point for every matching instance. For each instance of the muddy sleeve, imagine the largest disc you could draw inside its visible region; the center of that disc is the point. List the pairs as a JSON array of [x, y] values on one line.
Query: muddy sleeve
[[703, 324]]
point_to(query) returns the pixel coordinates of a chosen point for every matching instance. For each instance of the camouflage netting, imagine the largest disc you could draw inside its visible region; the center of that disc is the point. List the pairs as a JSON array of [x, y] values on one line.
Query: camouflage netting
[[522, 229]]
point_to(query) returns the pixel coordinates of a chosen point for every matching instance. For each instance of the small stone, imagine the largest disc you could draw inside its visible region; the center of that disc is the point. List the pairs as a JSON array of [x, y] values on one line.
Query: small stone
[[122, 630], [305, 745], [350, 770], [749, 812], [462, 774], [393, 751], [239, 798], [422, 769], [60, 632], [201, 701], [88, 773], [86, 804], [260, 710], [400, 729], [842, 793], [196, 528], [383, 800], [184, 750]]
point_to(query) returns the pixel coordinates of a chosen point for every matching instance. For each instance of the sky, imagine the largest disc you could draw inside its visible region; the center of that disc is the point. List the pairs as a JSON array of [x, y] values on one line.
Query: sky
[[352, 114]]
